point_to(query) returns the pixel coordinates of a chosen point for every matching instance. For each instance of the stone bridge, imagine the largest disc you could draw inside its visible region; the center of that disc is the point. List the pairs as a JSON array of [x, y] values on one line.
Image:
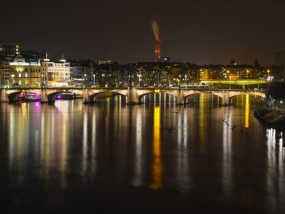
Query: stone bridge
[[133, 95]]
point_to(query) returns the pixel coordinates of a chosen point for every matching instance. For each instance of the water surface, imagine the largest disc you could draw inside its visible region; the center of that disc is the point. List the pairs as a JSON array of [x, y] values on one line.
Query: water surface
[[217, 154]]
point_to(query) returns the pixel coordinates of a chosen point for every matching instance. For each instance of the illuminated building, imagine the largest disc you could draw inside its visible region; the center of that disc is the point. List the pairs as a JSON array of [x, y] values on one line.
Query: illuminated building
[[55, 74], [21, 73], [235, 72]]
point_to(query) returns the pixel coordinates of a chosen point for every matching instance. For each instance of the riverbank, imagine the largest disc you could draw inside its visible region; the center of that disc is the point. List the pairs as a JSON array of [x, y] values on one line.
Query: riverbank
[[270, 116]]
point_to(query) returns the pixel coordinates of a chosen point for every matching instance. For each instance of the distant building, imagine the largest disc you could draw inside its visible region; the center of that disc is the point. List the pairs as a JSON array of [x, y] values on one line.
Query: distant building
[[80, 74], [4, 73], [9, 50], [31, 55], [101, 62]]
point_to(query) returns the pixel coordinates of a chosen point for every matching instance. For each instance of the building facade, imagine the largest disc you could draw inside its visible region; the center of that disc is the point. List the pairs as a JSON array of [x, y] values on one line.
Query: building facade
[[19, 73], [55, 74]]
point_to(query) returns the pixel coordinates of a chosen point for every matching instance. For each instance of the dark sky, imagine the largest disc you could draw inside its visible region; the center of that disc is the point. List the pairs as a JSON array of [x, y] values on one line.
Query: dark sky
[[197, 31]]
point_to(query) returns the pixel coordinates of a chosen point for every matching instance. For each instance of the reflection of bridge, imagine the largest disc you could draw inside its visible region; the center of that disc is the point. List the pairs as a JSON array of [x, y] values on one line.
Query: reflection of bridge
[[133, 95]]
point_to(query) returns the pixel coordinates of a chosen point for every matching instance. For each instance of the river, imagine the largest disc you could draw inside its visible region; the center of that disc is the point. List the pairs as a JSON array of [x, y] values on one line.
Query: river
[[152, 157]]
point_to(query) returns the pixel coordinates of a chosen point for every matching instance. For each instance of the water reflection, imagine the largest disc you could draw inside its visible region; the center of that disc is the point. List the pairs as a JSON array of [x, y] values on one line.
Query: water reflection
[[138, 155], [84, 143], [227, 152], [93, 143], [216, 150], [275, 175], [182, 173], [156, 162], [246, 111], [202, 124]]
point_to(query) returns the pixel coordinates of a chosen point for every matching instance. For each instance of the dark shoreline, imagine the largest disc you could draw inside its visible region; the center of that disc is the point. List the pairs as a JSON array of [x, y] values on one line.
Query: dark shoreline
[[270, 118]]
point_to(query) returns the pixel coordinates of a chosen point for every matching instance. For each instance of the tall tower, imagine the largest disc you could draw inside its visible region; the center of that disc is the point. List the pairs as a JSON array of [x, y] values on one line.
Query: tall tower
[[157, 53]]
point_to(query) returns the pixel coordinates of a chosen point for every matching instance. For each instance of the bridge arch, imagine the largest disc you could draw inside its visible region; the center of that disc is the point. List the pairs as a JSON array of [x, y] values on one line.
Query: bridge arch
[[249, 93], [14, 96], [51, 96], [186, 97], [141, 96], [93, 96]]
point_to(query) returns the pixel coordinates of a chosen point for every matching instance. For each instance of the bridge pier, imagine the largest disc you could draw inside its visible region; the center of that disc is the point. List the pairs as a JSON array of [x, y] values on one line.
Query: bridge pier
[[226, 101], [180, 97], [44, 98], [132, 95], [86, 97]]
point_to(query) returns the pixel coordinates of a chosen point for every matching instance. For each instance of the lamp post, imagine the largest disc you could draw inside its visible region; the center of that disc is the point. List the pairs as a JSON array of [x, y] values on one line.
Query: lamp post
[[268, 72]]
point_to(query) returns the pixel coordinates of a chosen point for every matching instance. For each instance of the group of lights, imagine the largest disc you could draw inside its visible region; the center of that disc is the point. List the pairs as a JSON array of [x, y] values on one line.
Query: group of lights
[[269, 78]]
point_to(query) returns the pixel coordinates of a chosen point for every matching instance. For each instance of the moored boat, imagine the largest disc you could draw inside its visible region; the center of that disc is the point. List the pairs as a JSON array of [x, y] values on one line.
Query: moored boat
[[30, 97], [65, 96]]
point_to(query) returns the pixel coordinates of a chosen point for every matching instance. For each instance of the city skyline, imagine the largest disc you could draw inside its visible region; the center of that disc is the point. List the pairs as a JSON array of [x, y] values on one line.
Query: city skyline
[[201, 32]]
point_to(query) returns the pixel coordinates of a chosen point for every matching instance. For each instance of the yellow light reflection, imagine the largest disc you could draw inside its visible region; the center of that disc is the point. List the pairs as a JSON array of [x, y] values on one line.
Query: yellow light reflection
[[63, 155], [93, 148], [202, 124], [156, 164], [137, 181], [246, 114], [84, 143]]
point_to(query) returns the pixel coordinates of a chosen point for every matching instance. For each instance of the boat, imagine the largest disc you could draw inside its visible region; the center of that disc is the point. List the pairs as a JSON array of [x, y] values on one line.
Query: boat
[[31, 97], [65, 96]]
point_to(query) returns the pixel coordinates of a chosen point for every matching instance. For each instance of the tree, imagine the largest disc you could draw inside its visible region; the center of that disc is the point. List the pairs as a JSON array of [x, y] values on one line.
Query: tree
[[256, 64]]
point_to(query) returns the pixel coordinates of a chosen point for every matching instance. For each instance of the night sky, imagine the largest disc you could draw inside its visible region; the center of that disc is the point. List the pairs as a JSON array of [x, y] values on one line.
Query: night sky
[[196, 31]]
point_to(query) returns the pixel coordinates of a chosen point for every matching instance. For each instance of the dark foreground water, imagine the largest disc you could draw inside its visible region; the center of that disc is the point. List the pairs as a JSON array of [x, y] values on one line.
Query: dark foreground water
[[110, 157]]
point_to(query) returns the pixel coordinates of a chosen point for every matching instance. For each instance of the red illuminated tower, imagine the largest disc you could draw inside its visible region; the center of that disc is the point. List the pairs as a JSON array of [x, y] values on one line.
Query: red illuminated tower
[[157, 53], [157, 49]]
